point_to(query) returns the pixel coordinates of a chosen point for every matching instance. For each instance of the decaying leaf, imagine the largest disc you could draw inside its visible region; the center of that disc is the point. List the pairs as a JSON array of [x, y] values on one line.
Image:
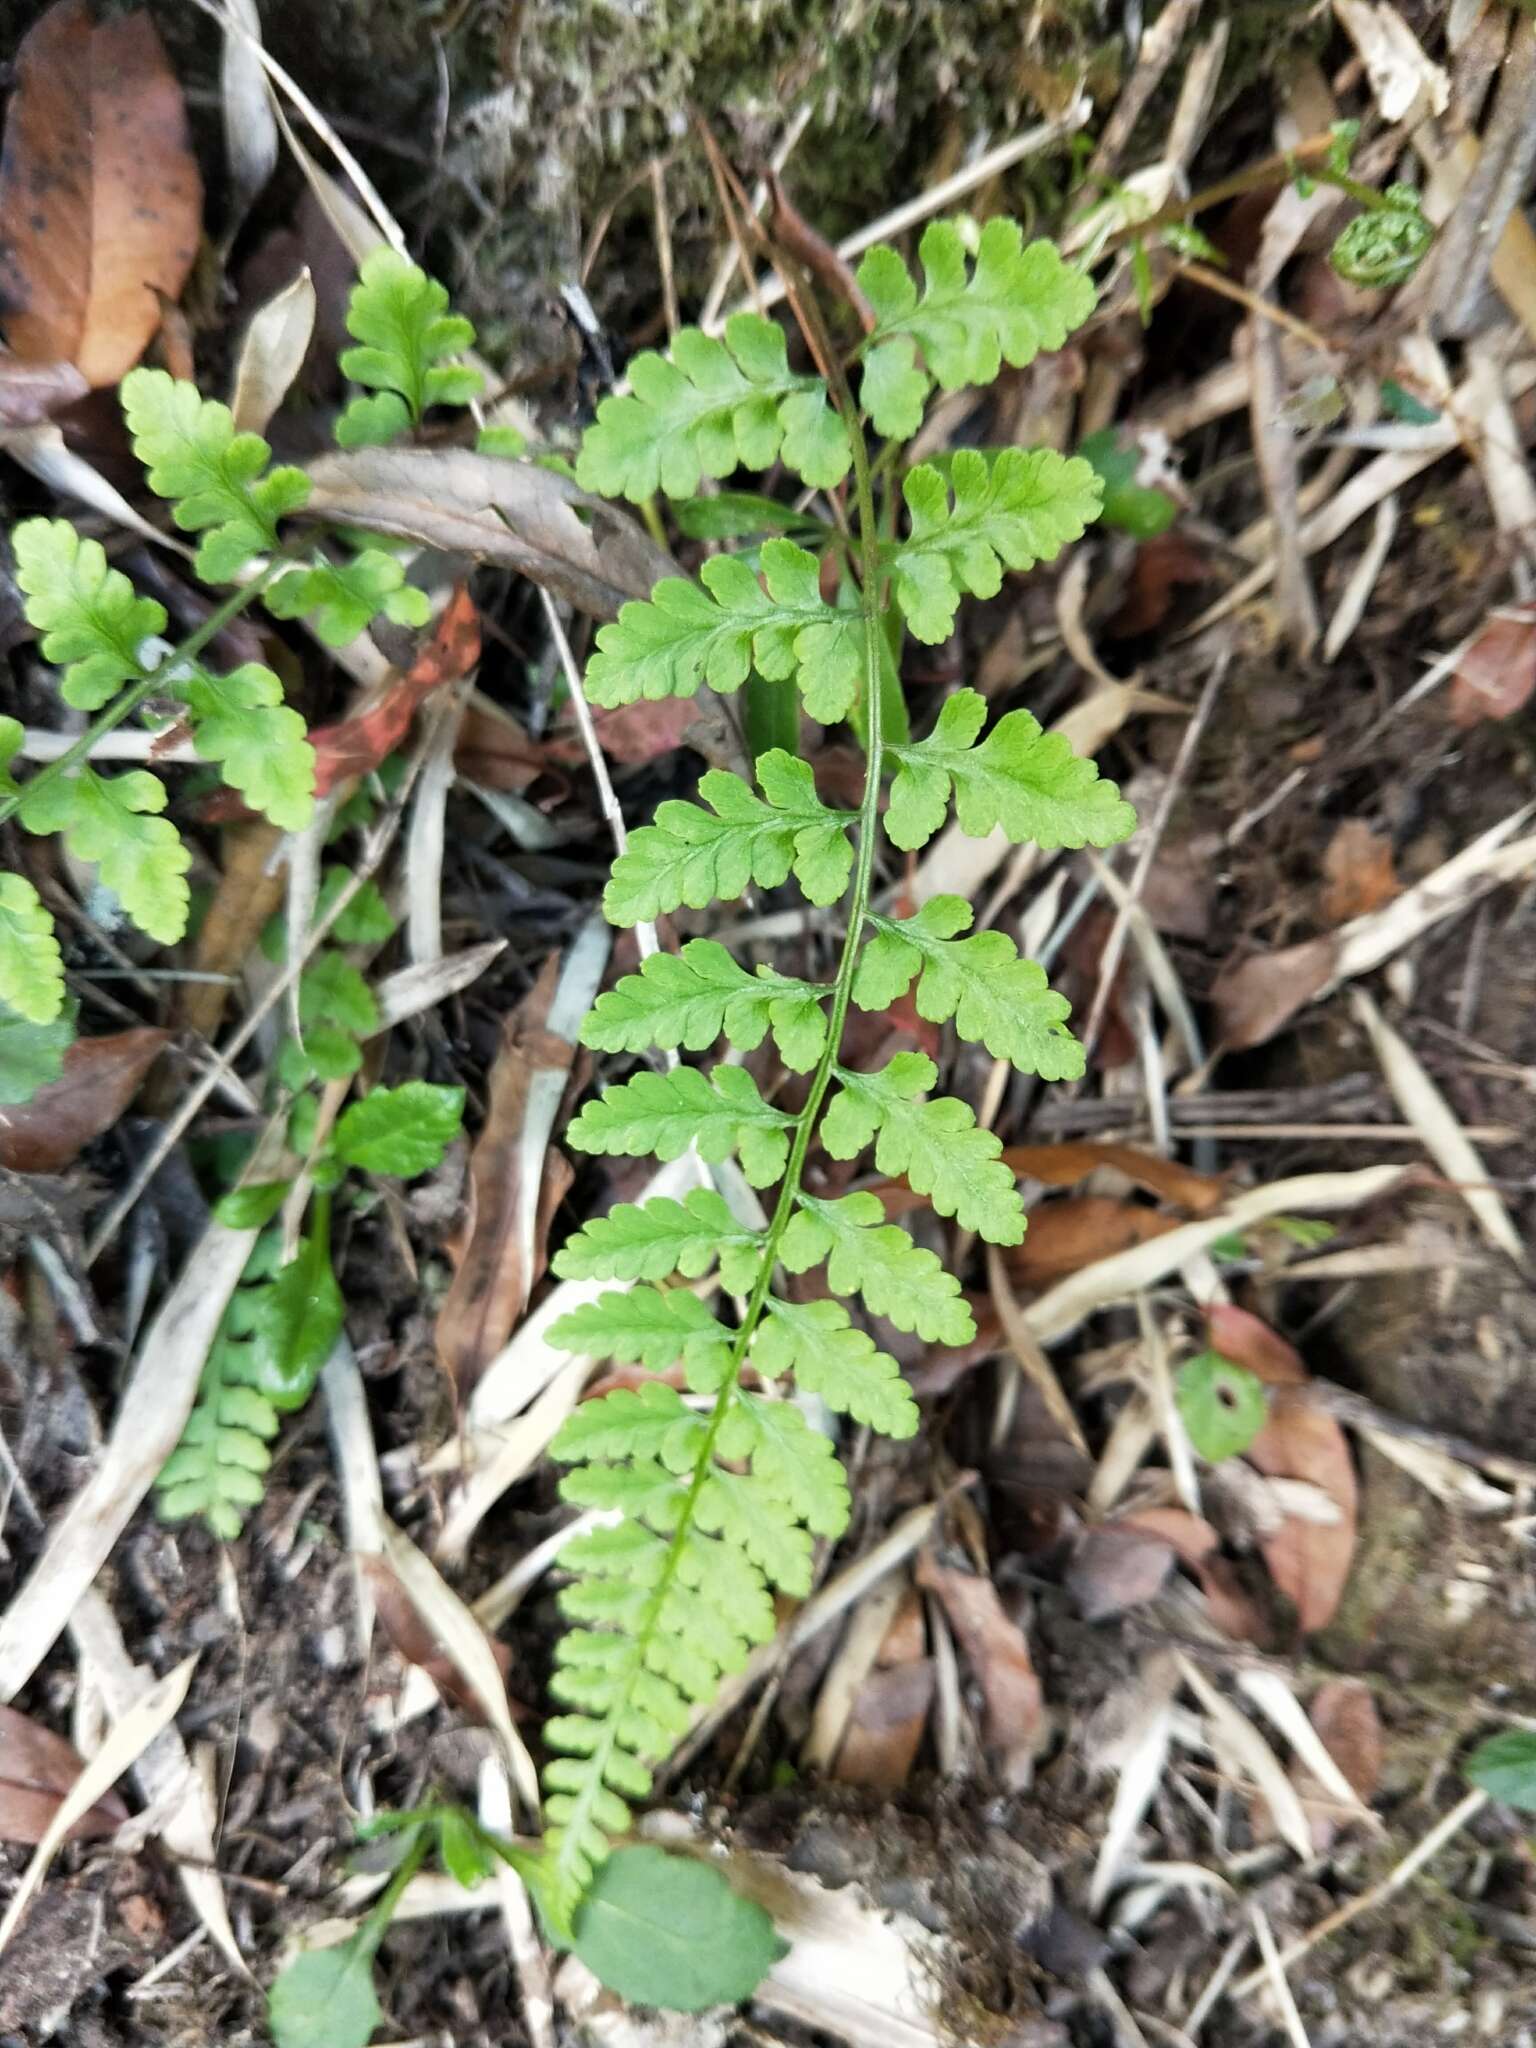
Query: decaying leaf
[[512, 513], [1062, 1166], [1065, 1236], [1256, 997], [1343, 1711], [37, 1768], [100, 197], [1497, 674], [1308, 1560], [890, 1709], [355, 745], [33, 392], [1195, 1543], [1115, 1566], [418, 1643], [101, 1077], [272, 353], [999, 1657], [1358, 871]]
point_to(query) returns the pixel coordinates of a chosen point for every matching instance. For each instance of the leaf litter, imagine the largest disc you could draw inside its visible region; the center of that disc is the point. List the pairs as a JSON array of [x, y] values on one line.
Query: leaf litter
[[975, 1677]]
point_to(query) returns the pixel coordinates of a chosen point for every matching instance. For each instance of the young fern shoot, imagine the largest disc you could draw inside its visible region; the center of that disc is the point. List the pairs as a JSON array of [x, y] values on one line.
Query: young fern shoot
[[720, 1496]]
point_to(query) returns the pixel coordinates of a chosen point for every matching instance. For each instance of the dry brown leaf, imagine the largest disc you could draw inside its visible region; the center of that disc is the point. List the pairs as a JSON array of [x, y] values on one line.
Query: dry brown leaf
[[1115, 1567], [890, 1709], [1343, 1712], [1062, 1166], [1195, 1543], [1160, 567], [37, 1768], [417, 1643], [356, 744], [33, 392], [101, 1077], [495, 1275], [101, 202], [1256, 997], [1309, 1561], [1360, 877], [249, 891], [1497, 673], [999, 1657], [513, 513], [1065, 1236]]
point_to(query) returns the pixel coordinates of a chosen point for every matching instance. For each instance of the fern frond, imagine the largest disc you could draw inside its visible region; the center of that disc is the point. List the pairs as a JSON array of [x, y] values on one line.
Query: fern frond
[[864, 1254], [241, 722], [218, 1470], [684, 635], [708, 407], [935, 1145], [401, 317], [1026, 782], [666, 1113], [649, 1240], [90, 616], [1020, 508], [697, 856], [114, 822], [646, 1326], [1016, 301], [688, 998], [996, 998], [31, 965], [344, 598], [218, 477], [817, 1343]]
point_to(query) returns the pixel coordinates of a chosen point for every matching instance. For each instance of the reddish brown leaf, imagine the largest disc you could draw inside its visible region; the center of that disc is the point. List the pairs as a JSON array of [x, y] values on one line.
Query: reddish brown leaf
[[37, 1768], [100, 198], [1065, 1236], [999, 1656], [1115, 1567], [890, 1709], [101, 1077], [1062, 1166], [32, 392], [504, 1252], [355, 745], [1496, 675], [1308, 1561], [1256, 997], [1344, 1714], [417, 1643], [1195, 1543], [794, 233], [493, 749], [1360, 876], [1161, 566]]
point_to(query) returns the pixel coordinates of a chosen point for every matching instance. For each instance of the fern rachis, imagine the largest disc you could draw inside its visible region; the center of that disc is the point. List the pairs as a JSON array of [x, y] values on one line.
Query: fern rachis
[[720, 1497]]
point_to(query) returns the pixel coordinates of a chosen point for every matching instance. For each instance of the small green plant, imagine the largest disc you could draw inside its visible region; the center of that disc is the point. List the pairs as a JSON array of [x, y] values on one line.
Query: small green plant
[[1504, 1766], [720, 1491], [115, 663], [1222, 1405]]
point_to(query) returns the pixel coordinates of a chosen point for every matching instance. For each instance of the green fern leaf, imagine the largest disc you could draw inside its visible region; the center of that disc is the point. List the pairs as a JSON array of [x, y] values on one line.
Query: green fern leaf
[[996, 999], [401, 317], [91, 618], [1025, 781], [650, 1423], [1017, 300], [241, 722], [193, 454], [31, 965], [898, 1279], [344, 598], [650, 1327], [649, 1240], [796, 1462], [688, 998], [1021, 508], [113, 822], [817, 1343], [697, 856], [666, 1113], [218, 1470], [743, 1509], [685, 635], [708, 408], [936, 1145]]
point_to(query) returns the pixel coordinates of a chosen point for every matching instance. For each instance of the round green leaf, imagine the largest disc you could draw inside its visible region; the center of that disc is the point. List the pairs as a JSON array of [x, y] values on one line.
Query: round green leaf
[[1505, 1768], [325, 2000], [669, 1931], [1223, 1406]]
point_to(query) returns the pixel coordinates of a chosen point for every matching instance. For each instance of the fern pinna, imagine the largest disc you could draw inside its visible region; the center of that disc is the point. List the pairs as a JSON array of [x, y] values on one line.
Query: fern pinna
[[716, 1495]]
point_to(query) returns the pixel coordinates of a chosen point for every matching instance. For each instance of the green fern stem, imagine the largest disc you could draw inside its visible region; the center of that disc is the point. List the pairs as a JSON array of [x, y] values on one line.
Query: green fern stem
[[567, 1884], [147, 687]]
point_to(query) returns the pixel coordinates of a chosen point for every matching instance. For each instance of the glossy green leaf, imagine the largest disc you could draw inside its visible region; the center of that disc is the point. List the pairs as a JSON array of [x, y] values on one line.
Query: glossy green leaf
[[669, 1931], [402, 1131], [1223, 1406]]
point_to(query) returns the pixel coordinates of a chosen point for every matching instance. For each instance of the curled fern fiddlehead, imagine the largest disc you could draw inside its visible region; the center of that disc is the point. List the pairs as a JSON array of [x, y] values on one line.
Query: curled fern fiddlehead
[[719, 1491]]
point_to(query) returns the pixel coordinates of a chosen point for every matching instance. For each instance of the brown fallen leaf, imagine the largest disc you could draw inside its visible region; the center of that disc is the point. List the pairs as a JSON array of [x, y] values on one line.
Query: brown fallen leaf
[[1309, 1561], [505, 1247], [1343, 1711], [1114, 1567], [1065, 1236], [33, 392], [999, 1657], [1196, 1544], [1161, 566], [250, 890], [101, 1077], [1062, 1166], [101, 202], [890, 1709], [356, 744], [37, 1768], [512, 513], [1497, 674], [1360, 877], [417, 1643], [1256, 997]]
